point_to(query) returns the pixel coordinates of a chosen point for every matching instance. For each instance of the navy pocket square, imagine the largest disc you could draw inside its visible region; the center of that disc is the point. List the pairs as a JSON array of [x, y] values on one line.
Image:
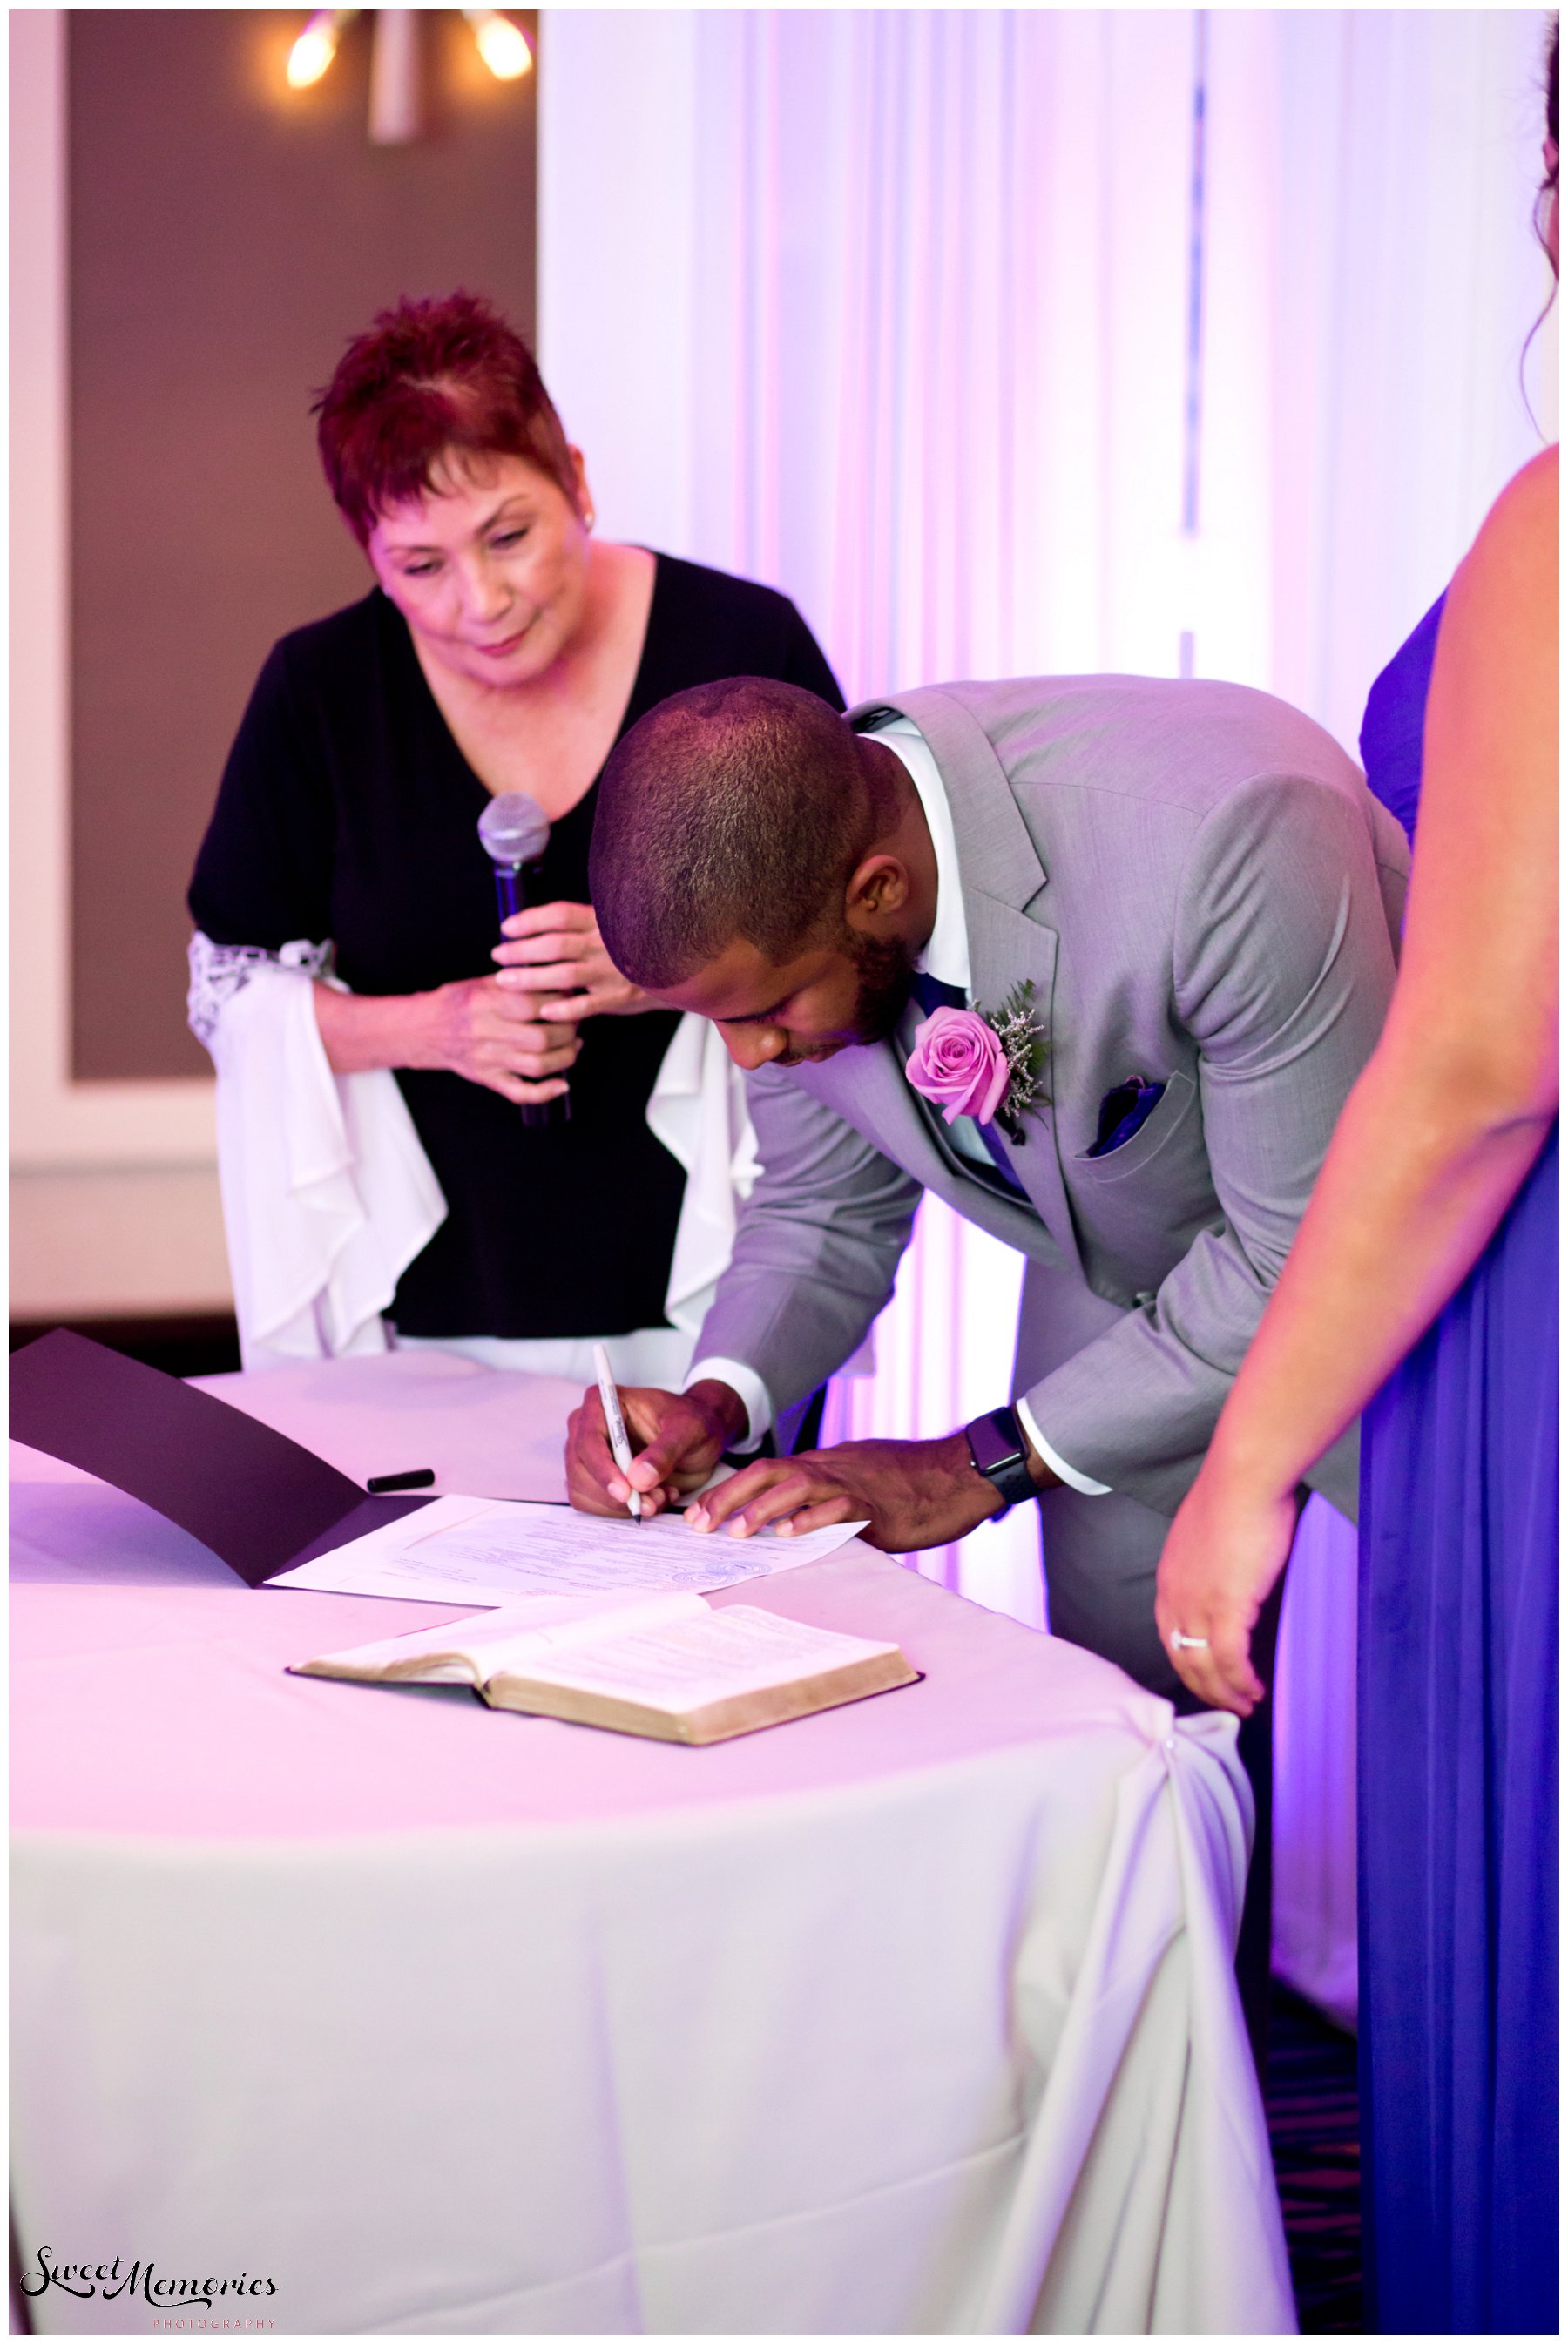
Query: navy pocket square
[[1124, 1112]]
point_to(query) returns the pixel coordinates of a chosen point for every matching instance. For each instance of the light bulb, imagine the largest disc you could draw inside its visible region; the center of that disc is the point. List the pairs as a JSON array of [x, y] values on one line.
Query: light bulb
[[501, 44], [317, 46]]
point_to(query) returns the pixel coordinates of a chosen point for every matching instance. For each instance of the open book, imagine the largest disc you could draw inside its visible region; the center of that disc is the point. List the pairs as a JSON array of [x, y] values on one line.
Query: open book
[[669, 1666]]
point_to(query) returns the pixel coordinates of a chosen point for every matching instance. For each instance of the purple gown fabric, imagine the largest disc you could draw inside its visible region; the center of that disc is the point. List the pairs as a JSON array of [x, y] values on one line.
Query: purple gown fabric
[[1457, 1780]]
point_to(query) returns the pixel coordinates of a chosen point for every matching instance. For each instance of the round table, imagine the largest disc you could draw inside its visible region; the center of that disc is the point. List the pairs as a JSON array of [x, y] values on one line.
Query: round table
[[916, 2017]]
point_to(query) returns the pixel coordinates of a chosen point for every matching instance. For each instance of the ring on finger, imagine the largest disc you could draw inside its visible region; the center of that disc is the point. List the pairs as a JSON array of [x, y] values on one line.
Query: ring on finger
[[1181, 1643]]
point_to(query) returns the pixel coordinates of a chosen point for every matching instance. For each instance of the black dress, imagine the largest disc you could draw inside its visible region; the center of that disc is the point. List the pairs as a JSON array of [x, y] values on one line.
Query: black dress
[[347, 811]]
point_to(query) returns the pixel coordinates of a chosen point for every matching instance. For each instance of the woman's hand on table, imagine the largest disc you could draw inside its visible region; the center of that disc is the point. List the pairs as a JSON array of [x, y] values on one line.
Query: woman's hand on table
[[555, 948], [1223, 1555], [474, 1027]]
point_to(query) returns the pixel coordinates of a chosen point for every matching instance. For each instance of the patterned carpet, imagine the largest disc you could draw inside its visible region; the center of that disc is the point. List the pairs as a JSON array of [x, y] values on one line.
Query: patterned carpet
[[1312, 2129]]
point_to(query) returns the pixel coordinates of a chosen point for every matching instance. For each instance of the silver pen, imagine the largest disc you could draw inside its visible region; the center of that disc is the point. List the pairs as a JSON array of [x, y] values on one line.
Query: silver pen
[[620, 1447]]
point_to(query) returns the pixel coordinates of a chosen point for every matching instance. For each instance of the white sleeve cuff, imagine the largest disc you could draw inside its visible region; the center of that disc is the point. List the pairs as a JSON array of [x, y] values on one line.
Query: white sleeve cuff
[[1058, 1465], [748, 1388]]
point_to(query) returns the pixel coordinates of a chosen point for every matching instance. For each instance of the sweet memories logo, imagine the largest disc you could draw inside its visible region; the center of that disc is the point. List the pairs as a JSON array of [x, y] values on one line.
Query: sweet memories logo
[[230, 2300]]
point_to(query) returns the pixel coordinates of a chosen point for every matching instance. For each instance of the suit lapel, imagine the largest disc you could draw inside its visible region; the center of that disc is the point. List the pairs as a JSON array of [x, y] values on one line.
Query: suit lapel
[[869, 1089], [1006, 949], [1002, 874]]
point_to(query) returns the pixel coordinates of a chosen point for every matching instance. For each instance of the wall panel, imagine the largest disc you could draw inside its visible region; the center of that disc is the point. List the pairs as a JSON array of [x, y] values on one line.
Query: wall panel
[[225, 236]]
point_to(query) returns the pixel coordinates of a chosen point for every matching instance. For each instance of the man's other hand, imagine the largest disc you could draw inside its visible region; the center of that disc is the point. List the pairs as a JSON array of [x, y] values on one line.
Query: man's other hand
[[911, 1494]]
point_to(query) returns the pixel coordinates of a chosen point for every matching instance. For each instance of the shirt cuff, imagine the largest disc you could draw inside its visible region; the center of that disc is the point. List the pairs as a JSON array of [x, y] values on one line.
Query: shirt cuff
[[748, 1388], [1058, 1465]]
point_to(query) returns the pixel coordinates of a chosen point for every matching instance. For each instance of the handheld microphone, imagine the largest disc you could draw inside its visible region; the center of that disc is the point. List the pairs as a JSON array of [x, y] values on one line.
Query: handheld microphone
[[514, 833]]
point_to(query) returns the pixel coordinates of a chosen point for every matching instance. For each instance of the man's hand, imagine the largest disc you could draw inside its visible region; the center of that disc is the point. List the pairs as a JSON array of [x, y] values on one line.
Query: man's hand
[[1223, 1553], [913, 1493], [677, 1439]]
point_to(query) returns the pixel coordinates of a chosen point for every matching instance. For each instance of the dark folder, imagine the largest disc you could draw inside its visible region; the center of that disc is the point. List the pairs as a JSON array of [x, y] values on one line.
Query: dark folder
[[255, 1498]]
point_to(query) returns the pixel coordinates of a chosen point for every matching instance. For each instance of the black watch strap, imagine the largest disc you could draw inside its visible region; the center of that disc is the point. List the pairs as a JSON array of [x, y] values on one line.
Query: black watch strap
[[1001, 1452]]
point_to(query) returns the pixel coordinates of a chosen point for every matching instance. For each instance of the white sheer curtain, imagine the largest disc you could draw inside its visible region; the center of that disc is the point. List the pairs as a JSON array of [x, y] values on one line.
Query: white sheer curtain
[[1019, 341], [896, 309]]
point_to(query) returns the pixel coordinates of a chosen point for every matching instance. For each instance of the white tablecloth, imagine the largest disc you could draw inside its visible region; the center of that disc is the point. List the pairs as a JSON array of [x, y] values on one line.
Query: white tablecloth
[[917, 2017]]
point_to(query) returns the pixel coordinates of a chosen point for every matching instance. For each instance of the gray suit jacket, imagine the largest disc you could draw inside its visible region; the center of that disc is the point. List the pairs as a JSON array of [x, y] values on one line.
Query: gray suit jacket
[[1204, 893]]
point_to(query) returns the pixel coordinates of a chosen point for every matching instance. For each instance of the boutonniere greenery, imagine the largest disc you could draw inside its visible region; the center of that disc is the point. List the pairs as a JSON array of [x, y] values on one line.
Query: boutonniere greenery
[[1017, 1027]]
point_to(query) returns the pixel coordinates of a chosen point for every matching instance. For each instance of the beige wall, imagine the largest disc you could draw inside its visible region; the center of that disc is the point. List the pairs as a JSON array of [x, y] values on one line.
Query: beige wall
[[201, 243], [117, 1242]]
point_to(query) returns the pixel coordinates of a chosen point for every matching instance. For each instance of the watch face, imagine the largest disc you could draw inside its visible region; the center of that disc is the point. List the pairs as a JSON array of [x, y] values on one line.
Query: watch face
[[1000, 1453], [996, 1442]]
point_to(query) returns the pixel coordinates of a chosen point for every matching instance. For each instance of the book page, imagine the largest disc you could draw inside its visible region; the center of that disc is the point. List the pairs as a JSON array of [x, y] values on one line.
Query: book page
[[468, 1652], [499, 1551], [688, 1663]]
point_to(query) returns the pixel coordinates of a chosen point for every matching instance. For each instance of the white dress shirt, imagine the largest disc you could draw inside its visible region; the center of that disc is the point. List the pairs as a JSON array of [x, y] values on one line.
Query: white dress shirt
[[945, 957]]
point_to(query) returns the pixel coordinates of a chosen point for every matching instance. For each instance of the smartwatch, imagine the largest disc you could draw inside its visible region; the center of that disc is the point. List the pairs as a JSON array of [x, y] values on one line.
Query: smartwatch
[[1001, 1455]]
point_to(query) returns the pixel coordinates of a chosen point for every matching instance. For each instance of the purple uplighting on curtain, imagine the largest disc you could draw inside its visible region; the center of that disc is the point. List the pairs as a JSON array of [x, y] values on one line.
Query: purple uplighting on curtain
[[896, 309]]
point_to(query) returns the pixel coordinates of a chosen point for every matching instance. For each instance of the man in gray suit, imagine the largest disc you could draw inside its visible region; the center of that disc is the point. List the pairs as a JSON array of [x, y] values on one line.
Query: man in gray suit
[[1189, 900]]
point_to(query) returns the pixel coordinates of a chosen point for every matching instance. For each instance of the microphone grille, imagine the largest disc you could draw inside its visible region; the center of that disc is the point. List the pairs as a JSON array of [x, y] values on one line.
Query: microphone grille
[[513, 828]]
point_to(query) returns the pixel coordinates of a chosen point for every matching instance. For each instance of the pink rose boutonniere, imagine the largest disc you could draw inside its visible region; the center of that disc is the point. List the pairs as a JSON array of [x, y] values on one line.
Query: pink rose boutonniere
[[967, 1062], [958, 1063]]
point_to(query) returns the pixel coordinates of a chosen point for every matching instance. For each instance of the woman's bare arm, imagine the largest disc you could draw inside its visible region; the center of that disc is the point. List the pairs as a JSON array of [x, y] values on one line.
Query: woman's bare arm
[[471, 1028], [1444, 1124]]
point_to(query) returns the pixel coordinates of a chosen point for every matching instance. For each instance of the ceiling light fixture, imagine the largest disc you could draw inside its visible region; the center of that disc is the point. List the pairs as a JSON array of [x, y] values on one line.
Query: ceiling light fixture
[[396, 109], [502, 44], [317, 46]]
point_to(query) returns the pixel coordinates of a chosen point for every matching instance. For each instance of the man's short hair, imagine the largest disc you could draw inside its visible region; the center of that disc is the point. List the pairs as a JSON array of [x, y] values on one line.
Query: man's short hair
[[734, 809]]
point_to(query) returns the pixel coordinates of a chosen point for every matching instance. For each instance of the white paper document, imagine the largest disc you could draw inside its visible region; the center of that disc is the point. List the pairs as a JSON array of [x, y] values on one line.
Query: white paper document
[[492, 1551]]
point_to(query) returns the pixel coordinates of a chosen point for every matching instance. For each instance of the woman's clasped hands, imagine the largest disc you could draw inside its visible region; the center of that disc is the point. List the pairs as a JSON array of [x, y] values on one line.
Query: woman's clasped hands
[[516, 1032], [554, 951], [498, 1038]]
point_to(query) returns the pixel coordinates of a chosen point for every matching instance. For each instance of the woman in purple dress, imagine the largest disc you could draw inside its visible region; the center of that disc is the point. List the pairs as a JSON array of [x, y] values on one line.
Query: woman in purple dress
[[1423, 1288]]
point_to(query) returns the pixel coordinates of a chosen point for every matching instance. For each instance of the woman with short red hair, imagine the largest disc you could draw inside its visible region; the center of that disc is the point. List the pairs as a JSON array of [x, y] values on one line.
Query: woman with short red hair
[[504, 647]]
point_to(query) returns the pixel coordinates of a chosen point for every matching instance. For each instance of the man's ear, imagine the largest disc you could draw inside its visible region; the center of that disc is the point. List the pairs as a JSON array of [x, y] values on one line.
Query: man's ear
[[877, 891]]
